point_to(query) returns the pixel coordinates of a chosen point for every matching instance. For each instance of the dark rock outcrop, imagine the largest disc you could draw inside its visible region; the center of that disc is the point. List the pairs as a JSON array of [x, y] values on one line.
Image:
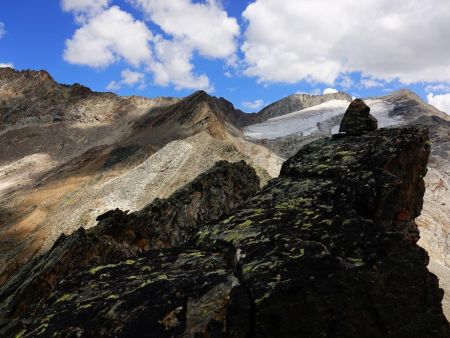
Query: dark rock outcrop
[[163, 223], [357, 119], [328, 249]]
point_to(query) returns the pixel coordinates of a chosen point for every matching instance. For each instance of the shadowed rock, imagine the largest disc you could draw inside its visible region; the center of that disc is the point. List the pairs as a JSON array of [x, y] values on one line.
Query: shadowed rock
[[328, 249], [357, 119], [162, 224]]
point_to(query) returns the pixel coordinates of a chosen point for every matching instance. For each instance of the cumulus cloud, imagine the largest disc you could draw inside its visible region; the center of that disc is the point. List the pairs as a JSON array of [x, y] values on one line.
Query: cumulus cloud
[[2, 29], [175, 66], [131, 78], [291, 40], [205, 27], [441, 102], [84, 9], [330, 91], [109, 34], [128, 78], [253, 105], [108, 37], [6, 65], [191, 27]]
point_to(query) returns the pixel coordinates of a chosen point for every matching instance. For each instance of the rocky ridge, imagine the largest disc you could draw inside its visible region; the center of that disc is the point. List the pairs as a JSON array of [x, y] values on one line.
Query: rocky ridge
[[104, 152], [33, 97], [293, 103], [327, 248], [119, 235]]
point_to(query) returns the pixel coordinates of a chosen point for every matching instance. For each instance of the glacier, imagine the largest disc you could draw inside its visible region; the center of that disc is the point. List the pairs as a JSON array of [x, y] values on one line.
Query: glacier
[[305, 122]]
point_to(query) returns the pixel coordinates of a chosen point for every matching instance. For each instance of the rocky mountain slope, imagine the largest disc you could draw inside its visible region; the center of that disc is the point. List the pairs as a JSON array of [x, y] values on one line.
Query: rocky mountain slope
[[70, 154], [326, 249]]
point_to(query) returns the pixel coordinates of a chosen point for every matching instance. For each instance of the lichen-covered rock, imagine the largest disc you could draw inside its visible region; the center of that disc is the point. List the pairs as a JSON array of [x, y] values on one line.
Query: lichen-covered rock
[[162, 224], [328, 249], [357, 119], [162, 294]]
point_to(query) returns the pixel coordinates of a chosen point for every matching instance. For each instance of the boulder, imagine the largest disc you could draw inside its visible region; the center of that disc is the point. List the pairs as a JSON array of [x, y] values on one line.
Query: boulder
[[357, 119]]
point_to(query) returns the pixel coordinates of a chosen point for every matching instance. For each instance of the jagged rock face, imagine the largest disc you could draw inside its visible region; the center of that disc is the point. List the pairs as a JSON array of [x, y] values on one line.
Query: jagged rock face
[[434, 221], [163, 223], [357, 119], [326, 249]]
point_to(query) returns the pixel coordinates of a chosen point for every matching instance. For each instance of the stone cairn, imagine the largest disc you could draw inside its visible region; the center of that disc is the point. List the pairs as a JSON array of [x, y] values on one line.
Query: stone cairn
[[357, 119]]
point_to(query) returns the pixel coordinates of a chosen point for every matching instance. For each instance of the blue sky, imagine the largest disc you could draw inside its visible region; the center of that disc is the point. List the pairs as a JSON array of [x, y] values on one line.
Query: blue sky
[[250, 52]]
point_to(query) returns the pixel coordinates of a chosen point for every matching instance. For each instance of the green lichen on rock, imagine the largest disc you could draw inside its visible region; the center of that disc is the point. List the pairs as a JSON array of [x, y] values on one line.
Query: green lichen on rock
[[21, 333], [66, 297], [318, 252], [112, 297], [96, 269]]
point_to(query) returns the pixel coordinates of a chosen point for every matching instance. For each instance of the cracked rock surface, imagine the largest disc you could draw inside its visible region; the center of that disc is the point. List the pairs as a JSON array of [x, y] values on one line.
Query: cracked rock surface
[[327, 249]]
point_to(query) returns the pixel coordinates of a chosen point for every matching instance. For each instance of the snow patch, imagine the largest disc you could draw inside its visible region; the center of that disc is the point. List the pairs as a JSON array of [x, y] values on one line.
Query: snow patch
[[305, 122], [302, 122], [380, 110]]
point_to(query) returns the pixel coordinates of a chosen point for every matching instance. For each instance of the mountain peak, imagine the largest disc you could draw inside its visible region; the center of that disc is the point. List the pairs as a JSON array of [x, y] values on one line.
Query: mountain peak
[[296, 102], [8, 74]]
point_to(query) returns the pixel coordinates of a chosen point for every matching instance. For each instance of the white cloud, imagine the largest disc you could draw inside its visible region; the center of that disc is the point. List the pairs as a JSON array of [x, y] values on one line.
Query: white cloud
[[345, 82], [205, 27], [370, 82], [2, 29], [253, 105], [113, 86], [174, 66], [441, 87], [330, 91], [108, 37], [84, 9], [6, 65], [292, 40], [441, 102], [131, 78], [128, 78]]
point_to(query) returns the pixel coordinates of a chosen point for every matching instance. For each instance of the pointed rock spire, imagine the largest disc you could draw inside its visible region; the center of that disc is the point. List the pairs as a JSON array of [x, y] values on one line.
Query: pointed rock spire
[[357, 119]]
